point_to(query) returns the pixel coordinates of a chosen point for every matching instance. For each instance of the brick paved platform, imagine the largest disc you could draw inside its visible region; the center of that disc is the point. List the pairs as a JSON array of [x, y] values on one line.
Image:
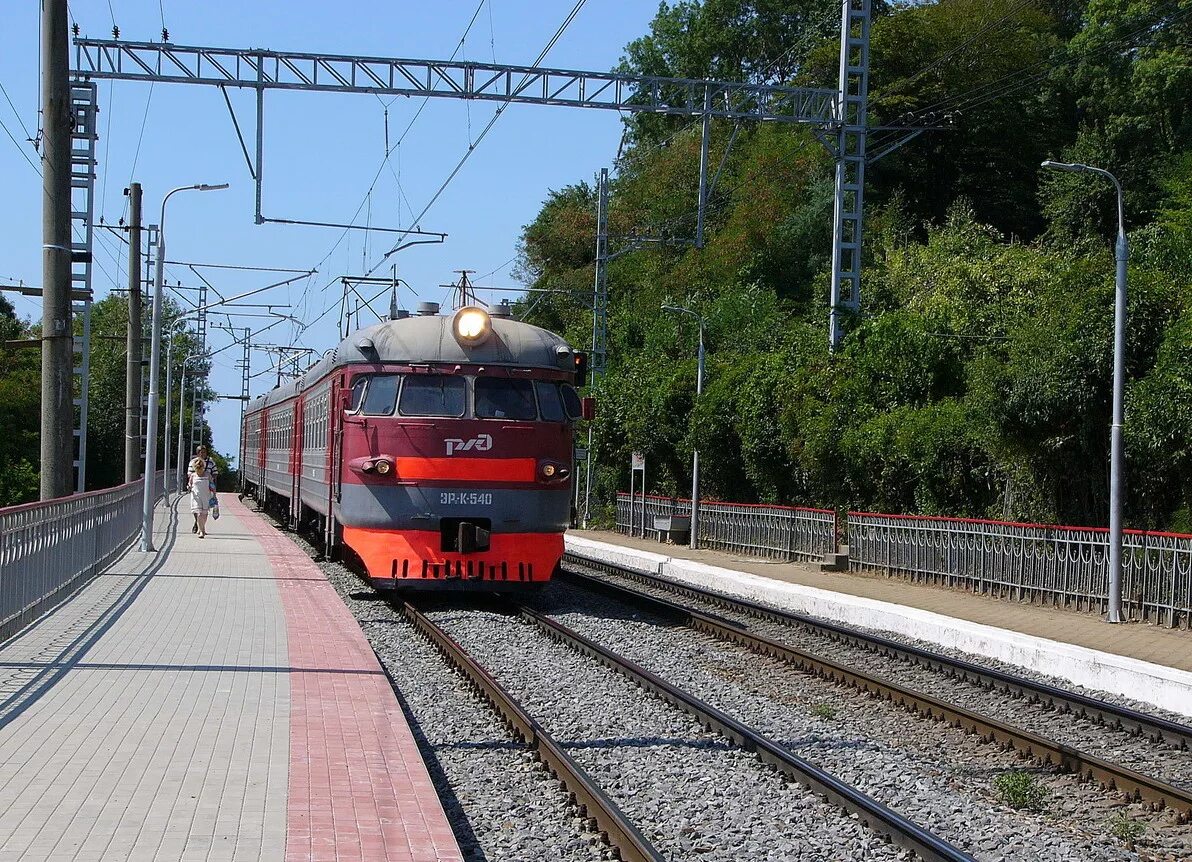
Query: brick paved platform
[[213, 701]]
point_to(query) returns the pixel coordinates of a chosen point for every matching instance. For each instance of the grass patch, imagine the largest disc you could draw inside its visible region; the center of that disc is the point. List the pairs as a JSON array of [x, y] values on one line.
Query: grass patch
[[1125, 828], [1020, 789], [824, 710]]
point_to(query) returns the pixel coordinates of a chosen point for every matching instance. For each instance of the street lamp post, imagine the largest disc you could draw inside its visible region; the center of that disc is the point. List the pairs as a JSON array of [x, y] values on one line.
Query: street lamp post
[[1116, 456], [155, 370], [699, 390]]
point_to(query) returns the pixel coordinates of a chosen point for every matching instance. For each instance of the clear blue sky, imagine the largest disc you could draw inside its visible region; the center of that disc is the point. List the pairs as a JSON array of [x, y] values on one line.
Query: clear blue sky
[[322, 150]]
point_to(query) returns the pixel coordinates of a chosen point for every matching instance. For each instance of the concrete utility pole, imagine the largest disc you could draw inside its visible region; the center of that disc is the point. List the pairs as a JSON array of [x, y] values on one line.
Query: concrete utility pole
[[182, 457], [132, 390], [57, 345], [599, 358]]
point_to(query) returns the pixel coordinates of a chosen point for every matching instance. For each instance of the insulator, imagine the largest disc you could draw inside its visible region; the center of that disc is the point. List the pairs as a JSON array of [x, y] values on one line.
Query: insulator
[[115, 32]]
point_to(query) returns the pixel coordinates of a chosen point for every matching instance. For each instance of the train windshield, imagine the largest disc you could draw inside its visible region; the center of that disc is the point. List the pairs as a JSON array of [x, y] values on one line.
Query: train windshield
[[549, 403], [381, 396], [502, 398], [433, 395]]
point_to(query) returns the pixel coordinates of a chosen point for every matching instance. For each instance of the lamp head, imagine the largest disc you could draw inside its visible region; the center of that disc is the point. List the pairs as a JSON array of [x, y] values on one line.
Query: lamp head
[[1065, 166], [207, 187]]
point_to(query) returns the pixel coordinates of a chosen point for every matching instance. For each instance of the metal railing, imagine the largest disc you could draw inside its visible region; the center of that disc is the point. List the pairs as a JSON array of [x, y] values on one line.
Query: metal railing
[[778, 532], [50, 549], [1037, 563]]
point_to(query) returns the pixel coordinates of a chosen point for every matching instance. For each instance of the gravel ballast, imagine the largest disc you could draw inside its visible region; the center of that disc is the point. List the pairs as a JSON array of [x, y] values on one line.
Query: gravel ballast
[[937, 774], [1167, 762], [693, 794]]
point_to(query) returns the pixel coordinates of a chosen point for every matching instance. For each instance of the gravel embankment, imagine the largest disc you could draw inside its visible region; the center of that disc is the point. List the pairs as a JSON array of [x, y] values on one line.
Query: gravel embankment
[[939, 775], [691, 793]]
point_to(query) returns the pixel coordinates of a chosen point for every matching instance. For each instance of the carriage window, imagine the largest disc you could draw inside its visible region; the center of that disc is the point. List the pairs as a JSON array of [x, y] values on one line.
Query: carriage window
[[549, 403], [433, 395], [571, 401], [381, 396], [357, 394], [502, 398]]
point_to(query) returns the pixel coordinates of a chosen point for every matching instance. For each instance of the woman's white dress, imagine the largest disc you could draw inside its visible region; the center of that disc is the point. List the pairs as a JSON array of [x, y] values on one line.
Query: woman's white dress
[[200, 493]]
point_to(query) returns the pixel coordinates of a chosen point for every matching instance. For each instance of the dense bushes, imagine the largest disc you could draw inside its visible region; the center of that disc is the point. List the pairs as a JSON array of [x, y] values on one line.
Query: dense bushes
[[978, 381]]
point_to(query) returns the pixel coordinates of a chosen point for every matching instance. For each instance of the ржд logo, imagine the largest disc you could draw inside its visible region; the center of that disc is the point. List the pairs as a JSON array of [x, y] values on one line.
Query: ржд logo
[[481, 443]]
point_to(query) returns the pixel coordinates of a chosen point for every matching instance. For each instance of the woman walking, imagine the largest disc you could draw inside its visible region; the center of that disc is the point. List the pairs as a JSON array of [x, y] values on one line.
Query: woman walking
[[201, 491]]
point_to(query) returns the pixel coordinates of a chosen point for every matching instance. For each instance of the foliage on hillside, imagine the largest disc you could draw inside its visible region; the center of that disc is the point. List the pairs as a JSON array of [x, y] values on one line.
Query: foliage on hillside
[[978, 380]]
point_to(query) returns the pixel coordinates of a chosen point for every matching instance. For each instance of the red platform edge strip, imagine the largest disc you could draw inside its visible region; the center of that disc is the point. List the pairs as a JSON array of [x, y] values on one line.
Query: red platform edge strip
[[358, 787]]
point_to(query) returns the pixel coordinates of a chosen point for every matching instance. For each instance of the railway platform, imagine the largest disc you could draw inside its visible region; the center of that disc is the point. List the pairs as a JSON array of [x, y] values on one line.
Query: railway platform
[[1149, 663], [214, 700]]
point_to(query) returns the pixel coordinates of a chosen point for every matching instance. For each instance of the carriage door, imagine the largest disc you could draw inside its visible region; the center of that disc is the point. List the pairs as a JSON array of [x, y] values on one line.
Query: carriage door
[[296, 447], [336, 402]]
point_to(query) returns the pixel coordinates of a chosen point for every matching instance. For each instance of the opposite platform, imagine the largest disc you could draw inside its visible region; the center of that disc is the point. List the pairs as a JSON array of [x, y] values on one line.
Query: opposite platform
[[1141, 661], [214, 700]]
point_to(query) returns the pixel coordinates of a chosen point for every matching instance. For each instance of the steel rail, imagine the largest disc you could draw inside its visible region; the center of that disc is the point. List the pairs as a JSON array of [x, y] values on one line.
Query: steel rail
[[1083, 764], [1110, 714], [878, 817], [587, 795]]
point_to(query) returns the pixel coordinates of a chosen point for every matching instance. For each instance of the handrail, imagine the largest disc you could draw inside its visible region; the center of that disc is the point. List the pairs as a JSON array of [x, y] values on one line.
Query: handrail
[[50, 548]]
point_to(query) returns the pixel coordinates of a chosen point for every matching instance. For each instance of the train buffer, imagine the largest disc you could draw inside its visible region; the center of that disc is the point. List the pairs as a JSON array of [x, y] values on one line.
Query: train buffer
[[215, 700]]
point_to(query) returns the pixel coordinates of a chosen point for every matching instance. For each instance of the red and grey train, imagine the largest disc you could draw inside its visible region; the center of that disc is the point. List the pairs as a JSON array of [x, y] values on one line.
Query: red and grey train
[[436, 449]]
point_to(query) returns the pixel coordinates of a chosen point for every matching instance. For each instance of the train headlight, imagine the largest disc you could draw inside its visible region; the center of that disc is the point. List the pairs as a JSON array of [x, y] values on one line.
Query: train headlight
[[383, 467], [549, 470], [472, 325]]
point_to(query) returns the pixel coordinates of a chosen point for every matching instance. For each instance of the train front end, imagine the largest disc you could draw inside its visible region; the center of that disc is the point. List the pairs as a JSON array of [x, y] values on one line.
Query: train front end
[[457, 452]]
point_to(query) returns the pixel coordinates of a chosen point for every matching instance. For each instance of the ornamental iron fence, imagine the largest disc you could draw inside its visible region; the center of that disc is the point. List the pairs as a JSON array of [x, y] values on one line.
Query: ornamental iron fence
[[1037, 563], [777, 532], [50, 549]]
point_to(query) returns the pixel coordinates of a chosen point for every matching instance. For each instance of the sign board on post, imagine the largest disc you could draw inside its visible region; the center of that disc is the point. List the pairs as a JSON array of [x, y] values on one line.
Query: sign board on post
[[637, 461], [581, 454]]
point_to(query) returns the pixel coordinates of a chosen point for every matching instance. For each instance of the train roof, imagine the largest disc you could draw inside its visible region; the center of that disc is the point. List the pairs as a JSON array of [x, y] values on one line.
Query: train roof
[[430, 338]]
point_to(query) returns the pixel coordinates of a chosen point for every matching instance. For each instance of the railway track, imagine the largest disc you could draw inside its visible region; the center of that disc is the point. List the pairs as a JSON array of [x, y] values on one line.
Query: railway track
[[1109, 774], [593, 802], [619, 831]]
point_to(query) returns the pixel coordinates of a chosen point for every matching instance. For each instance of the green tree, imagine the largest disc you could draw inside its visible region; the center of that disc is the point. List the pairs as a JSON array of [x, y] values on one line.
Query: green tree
[[20, 407]]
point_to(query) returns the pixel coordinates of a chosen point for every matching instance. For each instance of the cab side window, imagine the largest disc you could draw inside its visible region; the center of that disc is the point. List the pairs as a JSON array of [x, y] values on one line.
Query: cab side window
[[357, 394], [571, 402], [550, 405]]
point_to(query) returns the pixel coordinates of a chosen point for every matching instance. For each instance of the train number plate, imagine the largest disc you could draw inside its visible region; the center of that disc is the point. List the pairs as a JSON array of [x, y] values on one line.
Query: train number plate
[[465, 498]]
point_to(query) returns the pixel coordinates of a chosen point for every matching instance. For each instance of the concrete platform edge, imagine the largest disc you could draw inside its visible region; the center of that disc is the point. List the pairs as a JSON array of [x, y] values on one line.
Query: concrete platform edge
[[1165, 687]]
